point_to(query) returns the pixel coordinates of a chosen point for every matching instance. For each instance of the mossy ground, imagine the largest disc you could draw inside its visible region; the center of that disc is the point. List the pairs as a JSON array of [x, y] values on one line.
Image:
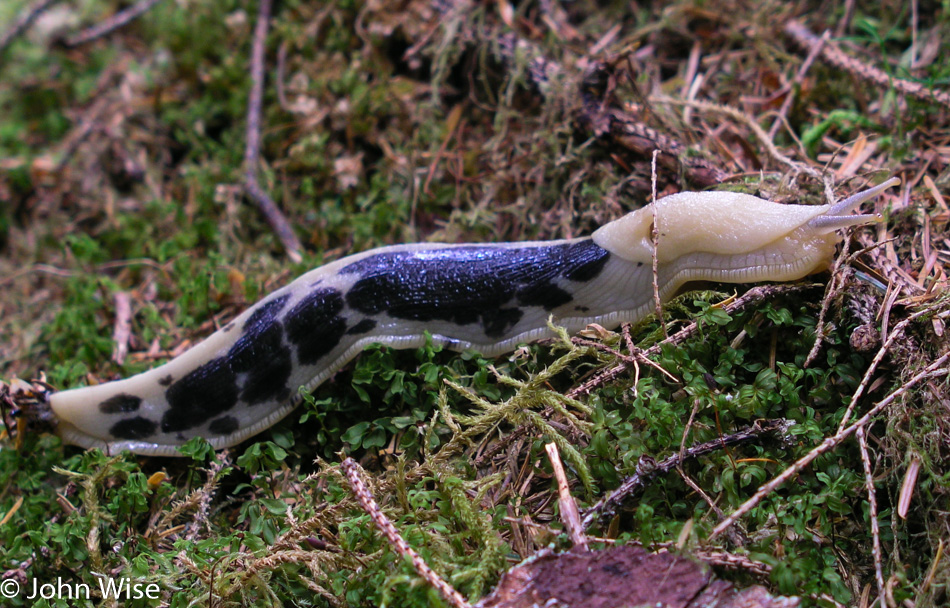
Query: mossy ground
[[121, 164]]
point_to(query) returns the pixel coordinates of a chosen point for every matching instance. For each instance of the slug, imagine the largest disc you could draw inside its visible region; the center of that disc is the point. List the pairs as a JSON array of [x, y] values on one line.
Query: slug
[[487, 297]]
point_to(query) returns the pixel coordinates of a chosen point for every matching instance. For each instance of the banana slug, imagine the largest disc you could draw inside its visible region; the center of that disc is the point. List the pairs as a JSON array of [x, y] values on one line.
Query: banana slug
[[487, 297]]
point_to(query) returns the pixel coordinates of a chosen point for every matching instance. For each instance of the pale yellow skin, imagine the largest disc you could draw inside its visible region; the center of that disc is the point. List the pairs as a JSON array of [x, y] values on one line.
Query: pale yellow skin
[[750, 239], [714, 236]]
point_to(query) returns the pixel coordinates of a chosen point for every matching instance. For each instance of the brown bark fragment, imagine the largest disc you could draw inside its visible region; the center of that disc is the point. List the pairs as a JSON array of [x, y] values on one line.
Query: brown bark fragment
[[619, 577]]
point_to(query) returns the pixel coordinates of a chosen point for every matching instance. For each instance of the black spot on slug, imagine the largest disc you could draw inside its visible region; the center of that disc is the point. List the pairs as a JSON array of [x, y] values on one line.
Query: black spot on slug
[[362, 327], [261, 354], [120, 404], [133, 428], [546, 295], [265, 314], [499, 320], [203, 394], [167, 380], [224, 425], [314, 325], [471, 284], [268, 383], [586, 260]]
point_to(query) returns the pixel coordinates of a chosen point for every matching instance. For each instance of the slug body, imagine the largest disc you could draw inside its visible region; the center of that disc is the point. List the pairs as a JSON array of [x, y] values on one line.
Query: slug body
[[245, 377]]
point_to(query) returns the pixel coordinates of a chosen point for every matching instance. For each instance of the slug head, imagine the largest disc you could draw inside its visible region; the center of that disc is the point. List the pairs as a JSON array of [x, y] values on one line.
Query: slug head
[[731, 231]]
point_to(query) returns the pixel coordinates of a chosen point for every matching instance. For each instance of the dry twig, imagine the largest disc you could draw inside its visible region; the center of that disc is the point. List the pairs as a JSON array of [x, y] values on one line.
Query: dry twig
[[122, 330], [931, 371], [634, 359], [648, 469], [120, 19], [569, 513], [750, 298], [799, 77], [397, 542], [875, 525], [252, 150], [838, 58], [23, 22]]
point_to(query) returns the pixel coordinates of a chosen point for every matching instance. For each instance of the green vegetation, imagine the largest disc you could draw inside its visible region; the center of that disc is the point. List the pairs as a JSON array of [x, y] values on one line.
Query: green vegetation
[[398, 125]]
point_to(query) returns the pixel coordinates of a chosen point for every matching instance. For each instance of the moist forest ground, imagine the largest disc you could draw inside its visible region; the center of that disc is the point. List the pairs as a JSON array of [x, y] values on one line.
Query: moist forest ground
[[124, 179]]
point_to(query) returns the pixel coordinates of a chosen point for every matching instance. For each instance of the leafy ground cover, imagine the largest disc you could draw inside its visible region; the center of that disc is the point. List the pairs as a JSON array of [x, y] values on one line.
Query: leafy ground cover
[[122, 175]]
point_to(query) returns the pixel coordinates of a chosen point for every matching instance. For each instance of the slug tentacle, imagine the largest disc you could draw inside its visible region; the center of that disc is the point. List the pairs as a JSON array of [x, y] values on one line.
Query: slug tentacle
[[854, 201], [245, 377]]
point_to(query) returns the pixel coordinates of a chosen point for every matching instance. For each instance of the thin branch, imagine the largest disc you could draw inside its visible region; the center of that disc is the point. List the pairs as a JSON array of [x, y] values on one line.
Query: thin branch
[[397, 542], [875, 525], [632, 360], [838, 58], [120, 19], [799, 77], [608, 122], [648, 469], [24, 21], [749, 122], [750, 298], [895, 333], [655, 236], [122, 331], [931, 371], [252, 150], [569, 513]]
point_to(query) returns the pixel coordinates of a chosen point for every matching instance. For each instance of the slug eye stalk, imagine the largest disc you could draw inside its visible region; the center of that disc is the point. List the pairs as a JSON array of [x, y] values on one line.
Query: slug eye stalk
[[839, 215], [729, 224]]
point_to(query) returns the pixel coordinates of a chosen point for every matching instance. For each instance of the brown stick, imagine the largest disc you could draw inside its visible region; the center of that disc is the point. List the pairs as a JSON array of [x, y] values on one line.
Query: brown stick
[[648, 469], [655, 236], [122, 330], [23, 22], [569, 513], [749, 298], [612, 123], [875, 525], [397, 542], [799, 77], [252, 150], [828, 444], [894, 334], [120, 19], [838, 58]]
